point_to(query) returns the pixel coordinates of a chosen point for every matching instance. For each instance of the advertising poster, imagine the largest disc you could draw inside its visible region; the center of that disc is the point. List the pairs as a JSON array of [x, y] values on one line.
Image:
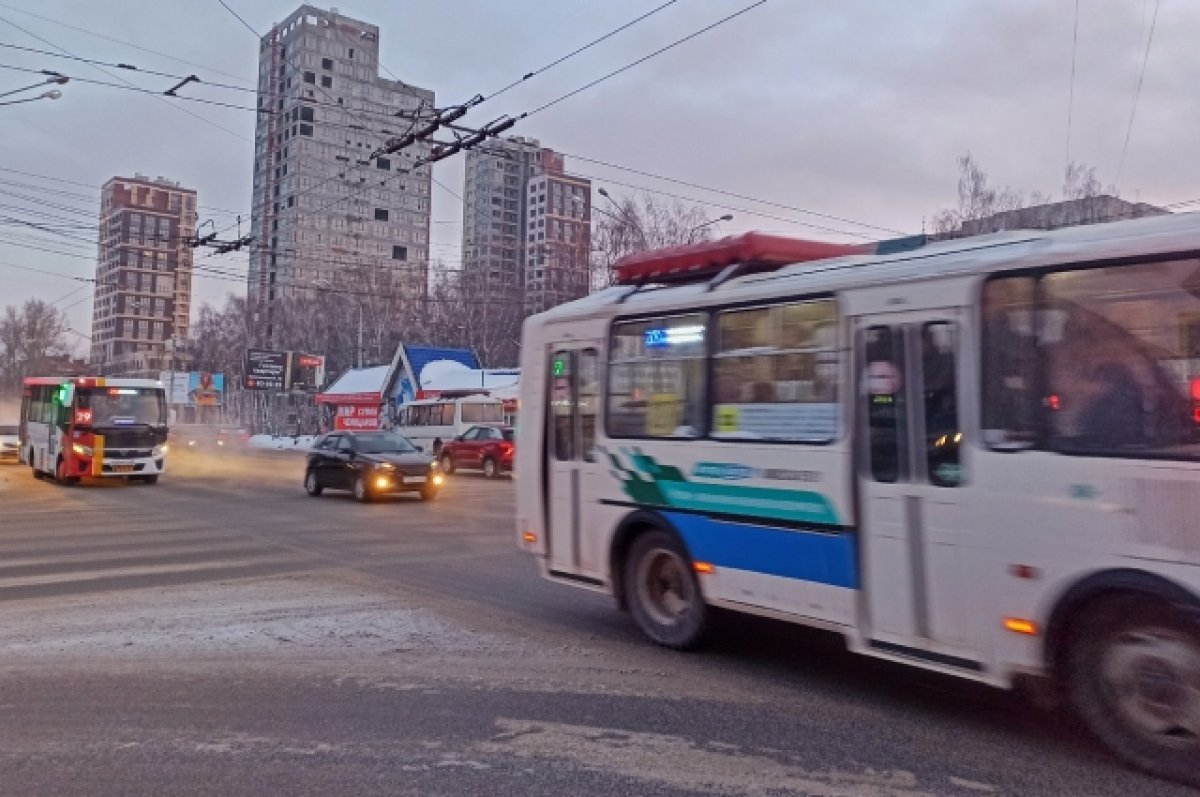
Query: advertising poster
[[356, 417], [265, 369], [205, 389]]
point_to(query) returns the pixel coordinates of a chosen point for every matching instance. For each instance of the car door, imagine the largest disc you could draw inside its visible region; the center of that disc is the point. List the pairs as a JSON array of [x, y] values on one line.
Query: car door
[[319, 458], [910, 483], [343, 465], [470, 447]]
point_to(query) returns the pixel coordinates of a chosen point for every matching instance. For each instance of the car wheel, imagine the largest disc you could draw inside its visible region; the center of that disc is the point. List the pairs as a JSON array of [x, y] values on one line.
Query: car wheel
[[311, 485], [1134, 670], [447, 464], [361, 491], [490, 469]]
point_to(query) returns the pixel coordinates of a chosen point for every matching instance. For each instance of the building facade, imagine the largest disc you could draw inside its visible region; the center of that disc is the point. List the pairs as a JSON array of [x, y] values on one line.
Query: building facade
[[526, 225], [143, 300], [324, 213]]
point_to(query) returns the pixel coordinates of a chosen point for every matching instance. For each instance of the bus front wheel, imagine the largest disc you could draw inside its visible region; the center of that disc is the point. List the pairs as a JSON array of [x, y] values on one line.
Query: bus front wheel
[[662, 592], [60, 473], [1135, 681]]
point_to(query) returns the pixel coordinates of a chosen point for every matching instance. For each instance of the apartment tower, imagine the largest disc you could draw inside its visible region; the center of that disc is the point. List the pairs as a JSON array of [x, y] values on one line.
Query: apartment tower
[[143, 299], [324, 215]]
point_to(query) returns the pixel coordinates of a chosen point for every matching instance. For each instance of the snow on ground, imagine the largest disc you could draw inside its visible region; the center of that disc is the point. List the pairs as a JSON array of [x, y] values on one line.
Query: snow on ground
[[280, 443]]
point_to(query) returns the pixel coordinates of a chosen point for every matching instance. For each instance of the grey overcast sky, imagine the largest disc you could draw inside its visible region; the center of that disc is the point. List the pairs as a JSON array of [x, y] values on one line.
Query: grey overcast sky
[[854, 108]]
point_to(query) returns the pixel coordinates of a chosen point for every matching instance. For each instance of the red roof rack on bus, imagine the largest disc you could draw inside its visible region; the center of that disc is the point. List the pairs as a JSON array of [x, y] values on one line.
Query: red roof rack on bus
[[750, 252]]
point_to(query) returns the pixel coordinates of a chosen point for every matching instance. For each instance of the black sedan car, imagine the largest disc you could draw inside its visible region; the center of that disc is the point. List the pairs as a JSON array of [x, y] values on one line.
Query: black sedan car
[[370, 464]]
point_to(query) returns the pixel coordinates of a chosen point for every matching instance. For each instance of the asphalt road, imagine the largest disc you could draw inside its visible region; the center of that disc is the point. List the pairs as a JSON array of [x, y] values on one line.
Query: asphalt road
[[222, 633]]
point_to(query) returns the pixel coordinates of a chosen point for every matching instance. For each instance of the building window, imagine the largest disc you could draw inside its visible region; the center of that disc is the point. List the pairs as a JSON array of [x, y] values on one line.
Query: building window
[[327, 63], [310, 77], [306, 114], [291, 201], [306, 130], [326, 82], [381, 214], [351, 53], [399, 253], [383, 163]]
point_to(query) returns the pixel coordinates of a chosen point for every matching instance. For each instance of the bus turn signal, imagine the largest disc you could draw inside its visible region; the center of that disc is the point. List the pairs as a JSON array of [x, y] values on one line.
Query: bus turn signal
[[1019, 626]]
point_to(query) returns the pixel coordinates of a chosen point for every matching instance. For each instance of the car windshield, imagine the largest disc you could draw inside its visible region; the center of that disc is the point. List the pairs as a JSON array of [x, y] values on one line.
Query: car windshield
[[383, 443], [123, 406]]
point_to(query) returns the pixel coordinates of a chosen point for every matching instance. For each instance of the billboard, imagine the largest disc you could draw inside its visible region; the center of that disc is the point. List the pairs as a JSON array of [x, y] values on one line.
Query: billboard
[[306, 371], [206, 389], [194, 388], [265, 369]]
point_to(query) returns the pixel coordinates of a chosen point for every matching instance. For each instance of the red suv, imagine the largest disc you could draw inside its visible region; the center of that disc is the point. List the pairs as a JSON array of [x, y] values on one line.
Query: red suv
[[488, 448]]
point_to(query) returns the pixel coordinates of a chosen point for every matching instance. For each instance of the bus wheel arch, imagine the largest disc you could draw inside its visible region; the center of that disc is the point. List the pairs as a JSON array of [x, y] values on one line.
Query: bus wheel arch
[[1089, 594], [631, 527], [1127, 651]]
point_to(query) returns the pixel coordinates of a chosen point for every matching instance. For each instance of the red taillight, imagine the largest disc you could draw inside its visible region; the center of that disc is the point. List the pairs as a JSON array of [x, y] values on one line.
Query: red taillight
[[506, 448], [1054, 402]]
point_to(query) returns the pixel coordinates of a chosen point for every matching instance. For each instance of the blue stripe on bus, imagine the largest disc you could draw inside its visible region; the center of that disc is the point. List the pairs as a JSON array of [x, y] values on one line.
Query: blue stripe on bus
[[805, 555]]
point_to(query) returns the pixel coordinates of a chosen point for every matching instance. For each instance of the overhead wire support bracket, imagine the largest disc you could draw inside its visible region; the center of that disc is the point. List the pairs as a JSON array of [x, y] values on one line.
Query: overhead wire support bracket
[[189, 79]]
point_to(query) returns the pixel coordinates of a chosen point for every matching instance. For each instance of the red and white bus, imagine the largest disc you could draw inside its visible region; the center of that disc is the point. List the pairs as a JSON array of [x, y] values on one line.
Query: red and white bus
[[94, 427]]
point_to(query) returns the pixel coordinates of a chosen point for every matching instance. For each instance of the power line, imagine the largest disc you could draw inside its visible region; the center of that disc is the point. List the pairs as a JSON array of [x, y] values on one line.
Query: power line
[[129, 67], [641, 60], [732, 194], [578, 50], [117, 41], [1071, 96], [116, 77], [93, 187], [1137, 94]]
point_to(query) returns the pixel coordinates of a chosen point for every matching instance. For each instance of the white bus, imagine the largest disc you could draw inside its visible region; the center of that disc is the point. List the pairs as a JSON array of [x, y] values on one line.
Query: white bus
[[978, 456], [93, 427], [431, 422]]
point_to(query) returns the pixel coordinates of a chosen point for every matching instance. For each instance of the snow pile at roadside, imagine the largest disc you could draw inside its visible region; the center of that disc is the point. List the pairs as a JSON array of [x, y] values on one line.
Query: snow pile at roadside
[[279, 443]]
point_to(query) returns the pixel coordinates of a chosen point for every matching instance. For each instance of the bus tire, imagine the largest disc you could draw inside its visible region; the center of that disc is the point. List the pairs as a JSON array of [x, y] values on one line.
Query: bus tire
[[1134, 679], [662, 591]]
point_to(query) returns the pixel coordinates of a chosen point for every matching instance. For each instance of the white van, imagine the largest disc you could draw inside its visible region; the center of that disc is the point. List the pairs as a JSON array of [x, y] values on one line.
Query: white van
[[430, 422]]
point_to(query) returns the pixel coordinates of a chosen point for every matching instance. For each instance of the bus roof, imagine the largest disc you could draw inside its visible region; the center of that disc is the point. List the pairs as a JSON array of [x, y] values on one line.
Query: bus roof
[[473, 399], [91, 381], [1176, 233]]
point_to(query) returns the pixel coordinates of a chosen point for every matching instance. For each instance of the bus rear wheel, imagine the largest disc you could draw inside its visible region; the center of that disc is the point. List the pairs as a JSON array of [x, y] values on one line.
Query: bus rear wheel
[[662, 592], [1135, 681]]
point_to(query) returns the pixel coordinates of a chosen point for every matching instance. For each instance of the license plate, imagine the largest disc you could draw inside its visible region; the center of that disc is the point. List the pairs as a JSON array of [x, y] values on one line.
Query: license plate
[[122, 469], [414, 479]]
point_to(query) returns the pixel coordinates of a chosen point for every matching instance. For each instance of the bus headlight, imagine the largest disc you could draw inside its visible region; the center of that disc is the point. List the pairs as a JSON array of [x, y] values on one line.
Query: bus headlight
[[159, 450], [82, 450]]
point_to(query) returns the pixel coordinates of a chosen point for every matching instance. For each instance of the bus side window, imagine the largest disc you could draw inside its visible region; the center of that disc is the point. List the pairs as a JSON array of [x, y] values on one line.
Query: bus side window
[[943, 434], [448, 414], [589, 402], [1009, 367], [885, 411], [562, 406]]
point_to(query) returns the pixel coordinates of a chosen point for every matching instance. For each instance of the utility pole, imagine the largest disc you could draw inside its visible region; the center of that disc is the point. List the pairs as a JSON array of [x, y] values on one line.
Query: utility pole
[[360, 335]]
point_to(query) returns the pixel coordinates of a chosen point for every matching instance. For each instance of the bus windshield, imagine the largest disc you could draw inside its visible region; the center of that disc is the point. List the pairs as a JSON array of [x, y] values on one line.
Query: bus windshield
[[122, 406]]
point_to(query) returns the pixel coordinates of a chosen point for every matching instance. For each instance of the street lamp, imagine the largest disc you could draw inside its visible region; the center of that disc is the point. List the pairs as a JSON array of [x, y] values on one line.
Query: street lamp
[[692, 232], [45, 95], [628, 218], [54, 94]]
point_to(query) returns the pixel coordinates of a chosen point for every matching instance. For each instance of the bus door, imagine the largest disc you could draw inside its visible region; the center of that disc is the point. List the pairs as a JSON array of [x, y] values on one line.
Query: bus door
[[910, 430], [572, 464]]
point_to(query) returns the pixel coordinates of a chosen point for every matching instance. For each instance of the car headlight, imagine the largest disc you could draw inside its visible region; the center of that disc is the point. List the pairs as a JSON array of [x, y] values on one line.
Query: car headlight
[[384, 466], [82, 450], [433, 465], [191, 442], [159, 450]]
